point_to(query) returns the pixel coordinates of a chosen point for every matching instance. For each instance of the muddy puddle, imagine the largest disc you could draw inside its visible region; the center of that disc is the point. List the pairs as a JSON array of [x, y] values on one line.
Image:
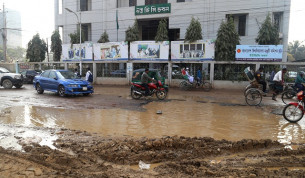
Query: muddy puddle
[[175, 117]]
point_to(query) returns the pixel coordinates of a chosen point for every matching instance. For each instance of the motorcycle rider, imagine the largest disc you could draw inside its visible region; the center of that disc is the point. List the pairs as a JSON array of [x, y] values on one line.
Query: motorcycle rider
[[144, 80]]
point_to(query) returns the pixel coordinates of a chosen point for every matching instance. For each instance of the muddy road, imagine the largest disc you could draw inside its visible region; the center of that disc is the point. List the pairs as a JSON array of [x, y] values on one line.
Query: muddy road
[[201, 134]]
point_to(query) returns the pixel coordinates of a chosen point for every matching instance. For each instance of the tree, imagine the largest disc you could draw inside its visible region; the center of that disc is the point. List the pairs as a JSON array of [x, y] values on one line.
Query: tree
[[194, 31], [37, 49], [162, 33], [56, 47], [132, 33], [104, 38], [74, 37], [15, 53], [268, 33], [226, 41], [297, 50]]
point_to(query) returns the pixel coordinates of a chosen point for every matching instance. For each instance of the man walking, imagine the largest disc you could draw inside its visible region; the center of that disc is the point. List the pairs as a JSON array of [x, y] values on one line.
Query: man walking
[[89, 76]]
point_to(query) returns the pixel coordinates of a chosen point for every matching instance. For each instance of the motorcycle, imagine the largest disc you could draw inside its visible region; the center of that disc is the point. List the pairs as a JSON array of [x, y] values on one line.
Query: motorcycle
[[137, 90], [294, 111]]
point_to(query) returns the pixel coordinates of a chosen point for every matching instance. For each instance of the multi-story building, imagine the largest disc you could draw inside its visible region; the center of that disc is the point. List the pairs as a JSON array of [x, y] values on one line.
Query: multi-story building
[[13, 28], [97, 16]]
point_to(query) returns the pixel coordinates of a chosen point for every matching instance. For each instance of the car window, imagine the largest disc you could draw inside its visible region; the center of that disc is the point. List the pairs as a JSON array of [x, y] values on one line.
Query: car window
[[23, 73], [4, 70], [45, 74], [66, 75], [52, 75], [32, 72]]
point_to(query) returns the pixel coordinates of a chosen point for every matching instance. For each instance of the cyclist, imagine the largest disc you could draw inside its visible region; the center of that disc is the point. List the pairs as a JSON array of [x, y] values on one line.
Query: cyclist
[[278, 82]]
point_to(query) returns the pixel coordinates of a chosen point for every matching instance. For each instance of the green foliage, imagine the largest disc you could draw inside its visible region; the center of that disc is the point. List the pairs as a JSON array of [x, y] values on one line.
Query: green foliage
[[74, 37], [56, 47], [297, 50], [13, 54], [162, 33], [104, 38], [268, 33], [132, 33], [227, 39], [37, 49], [194, 31]]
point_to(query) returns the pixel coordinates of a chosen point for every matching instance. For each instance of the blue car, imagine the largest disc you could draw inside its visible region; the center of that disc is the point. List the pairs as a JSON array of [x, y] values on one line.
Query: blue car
[[63, 82]]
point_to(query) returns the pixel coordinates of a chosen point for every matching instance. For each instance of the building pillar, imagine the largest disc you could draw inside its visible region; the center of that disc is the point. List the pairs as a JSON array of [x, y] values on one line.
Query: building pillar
[[257, 65], [129, 71], [94, 72], [169, 73], [66, 66], [212, 66]]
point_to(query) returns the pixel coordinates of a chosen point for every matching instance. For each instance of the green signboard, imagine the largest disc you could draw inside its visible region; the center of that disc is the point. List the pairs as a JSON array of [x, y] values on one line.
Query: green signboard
[[153, 9]]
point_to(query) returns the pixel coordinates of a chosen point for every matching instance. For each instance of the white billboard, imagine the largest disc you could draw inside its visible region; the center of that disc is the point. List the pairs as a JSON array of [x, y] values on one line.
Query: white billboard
[[110, 51], [72, 53], [202, 50], [149, 50], [259, 53]]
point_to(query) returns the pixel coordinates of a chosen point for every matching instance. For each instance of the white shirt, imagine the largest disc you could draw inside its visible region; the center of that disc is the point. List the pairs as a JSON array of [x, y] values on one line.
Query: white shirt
[[278, 76], [87, 75]]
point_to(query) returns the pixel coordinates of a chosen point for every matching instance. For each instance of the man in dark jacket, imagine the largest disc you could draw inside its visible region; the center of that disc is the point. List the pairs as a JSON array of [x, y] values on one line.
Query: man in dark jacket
[[144, 80]]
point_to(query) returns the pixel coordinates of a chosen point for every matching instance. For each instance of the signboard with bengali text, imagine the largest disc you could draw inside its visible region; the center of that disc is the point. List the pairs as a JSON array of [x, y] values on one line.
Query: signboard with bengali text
[[153, 9], [259, 53]]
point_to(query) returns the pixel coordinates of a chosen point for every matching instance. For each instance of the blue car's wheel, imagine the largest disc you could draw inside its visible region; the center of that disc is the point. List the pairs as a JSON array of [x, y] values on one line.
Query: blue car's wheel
[[61, 91], [39, 89]]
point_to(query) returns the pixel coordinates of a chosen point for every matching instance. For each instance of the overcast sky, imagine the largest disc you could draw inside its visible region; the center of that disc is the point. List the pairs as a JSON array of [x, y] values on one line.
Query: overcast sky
[[37, 16]]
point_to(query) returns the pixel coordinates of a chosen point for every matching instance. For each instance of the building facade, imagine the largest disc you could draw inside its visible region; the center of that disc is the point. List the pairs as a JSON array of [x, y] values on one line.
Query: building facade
[[97, 16]]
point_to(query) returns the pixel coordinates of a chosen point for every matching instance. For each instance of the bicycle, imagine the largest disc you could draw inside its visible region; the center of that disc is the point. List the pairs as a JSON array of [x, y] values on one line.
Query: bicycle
[[187, 85]]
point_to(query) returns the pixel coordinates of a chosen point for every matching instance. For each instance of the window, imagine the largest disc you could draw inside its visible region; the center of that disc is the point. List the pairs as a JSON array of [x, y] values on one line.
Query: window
[[52, 75], [126, 3], [60, 6], [184, 0], [61, 31], [45, 74], [85, 5], [149, 2], [86, 30], [240, 22], [278, 21]]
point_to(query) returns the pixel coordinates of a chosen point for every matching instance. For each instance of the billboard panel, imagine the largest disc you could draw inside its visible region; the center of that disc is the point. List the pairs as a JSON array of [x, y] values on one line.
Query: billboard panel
[[259, 53], [202, 50], [73, 54], [110, 51], [149, 50]]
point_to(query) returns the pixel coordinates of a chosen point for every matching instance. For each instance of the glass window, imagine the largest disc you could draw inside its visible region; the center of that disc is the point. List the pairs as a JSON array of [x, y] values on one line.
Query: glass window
[[60, 6], [86, 30], [242, 25], [126, 3], [180, 0], [85, 5], [66, 75], [111, 70], [149, 2], [278, 21], [52, 75], [45, 74]]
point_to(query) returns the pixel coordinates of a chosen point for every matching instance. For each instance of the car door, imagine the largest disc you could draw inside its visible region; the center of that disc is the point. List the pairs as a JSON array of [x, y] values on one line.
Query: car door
[[53, 81], [43, 80]]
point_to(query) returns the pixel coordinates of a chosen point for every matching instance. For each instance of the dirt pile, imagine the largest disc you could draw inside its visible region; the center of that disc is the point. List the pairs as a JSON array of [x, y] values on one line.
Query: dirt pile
[[81, 154]]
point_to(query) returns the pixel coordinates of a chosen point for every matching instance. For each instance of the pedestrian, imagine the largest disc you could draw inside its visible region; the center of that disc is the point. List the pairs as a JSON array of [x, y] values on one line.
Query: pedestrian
[[144, 80], [199, 76], [278, 82], [300, 81], [259, 79], [76, 73], [89, 76]]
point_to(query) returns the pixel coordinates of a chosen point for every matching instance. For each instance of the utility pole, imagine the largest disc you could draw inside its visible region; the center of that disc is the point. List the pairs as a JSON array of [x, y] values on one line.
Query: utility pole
[[4, 34], [48, 50]]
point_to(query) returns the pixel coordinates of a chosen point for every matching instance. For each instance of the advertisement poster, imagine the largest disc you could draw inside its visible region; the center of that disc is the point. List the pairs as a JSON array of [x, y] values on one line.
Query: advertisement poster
[[259, 53], [202, 50], [73, 54], [149, 50], [111, 51]]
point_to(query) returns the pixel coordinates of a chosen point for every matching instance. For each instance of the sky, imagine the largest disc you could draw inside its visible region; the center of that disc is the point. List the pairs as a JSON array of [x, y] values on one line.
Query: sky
[[37, 16]]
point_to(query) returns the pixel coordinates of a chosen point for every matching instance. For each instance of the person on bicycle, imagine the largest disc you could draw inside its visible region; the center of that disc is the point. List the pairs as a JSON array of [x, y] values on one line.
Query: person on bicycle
[[278, 82], [259, 79], [299, 82]]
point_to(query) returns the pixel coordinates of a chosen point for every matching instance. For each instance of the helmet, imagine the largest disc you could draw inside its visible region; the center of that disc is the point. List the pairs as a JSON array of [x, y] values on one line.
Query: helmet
[[187, 68]]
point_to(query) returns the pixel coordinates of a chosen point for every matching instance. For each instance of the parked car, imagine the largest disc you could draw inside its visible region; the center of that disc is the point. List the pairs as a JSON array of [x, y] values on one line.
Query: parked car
[[63, 82], [28, 75], [8, 79]]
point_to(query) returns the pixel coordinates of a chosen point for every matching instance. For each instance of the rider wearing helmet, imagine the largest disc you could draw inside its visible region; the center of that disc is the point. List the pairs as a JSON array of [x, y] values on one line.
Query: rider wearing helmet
[[300, 81]]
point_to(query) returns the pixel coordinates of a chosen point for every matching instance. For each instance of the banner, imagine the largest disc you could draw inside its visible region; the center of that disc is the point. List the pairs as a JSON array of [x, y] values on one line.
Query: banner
[[259, 53], [153, 9], [202, 50], [111, 51], [73, 54], [149, 50]]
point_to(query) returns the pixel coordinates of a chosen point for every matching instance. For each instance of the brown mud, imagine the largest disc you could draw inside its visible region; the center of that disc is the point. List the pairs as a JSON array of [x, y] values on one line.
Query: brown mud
[[217, 136]]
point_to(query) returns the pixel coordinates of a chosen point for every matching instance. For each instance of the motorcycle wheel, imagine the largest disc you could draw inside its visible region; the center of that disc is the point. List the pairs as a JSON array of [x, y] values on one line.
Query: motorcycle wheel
[[289, 96], [292, 113], [134, 95], [183, 85], [161, 95]]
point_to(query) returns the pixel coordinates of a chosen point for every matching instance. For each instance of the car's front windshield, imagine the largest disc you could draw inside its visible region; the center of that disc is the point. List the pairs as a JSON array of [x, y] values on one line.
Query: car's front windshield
[[66, 75], [4, 70]]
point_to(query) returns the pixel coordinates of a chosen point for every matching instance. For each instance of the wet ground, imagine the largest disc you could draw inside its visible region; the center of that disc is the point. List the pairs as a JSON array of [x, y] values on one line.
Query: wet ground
[[191, 133]]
